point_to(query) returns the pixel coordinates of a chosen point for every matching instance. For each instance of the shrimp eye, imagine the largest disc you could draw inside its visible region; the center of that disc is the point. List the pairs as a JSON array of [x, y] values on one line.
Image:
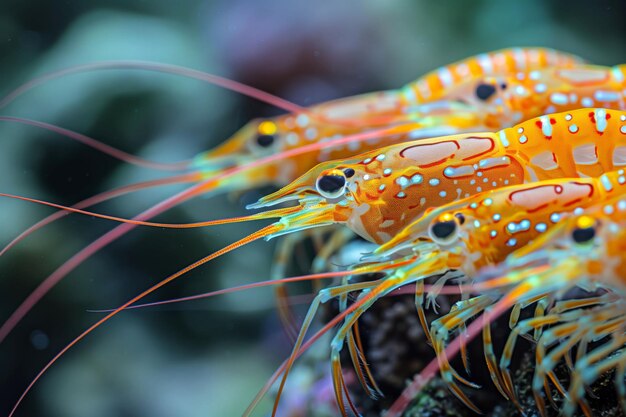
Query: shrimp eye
[[349, 172], [331, 186], [444, 232], [266, 133], [485, 91], [585, 230], [265, 140], [584, 235]]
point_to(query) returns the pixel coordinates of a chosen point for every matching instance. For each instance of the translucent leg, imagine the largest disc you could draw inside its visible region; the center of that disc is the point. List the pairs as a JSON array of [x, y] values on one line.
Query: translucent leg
[[323, 296], [589, 368]]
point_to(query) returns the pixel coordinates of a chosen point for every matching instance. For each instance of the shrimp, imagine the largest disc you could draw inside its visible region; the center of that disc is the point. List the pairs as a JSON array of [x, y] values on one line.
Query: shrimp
[[585, 250]]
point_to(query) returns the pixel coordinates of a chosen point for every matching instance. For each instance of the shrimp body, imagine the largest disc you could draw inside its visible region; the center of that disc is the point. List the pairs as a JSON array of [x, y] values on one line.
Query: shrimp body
[[378, 193], [509, 99], [439, 84]]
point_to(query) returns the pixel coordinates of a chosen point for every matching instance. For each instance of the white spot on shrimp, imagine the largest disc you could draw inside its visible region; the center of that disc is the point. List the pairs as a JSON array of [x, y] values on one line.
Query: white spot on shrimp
[[540, 88], [523, 139], [442, 194], [387, 223], [417, 179], [434, 182], [387, 172], [546, 126], [559, 99], [503, 139], [445, 77], [380, 157], [485, 63], [606, 96], [302, 120], [600, 115], [310, 133], [586, 102], [572, 128], [403, 182], [606, 182], [292, 138], [568, 117], [511, 242]]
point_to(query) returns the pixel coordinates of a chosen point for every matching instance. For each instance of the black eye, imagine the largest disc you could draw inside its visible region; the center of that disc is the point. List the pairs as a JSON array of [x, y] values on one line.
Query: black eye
[[503, 86], [460, 217], [583, 235], [444, 232], [331, 186], [349, 172], [484, 91], [265, 140]]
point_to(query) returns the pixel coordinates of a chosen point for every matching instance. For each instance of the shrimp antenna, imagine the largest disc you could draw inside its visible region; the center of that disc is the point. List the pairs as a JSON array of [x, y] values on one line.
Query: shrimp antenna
[[239, 288], [100, 146], [156, 67], [99, 198], [258, 216], [407, 290]]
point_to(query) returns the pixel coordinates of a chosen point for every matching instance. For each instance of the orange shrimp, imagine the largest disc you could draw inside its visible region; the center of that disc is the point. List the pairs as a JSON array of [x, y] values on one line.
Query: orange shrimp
[[433, 94], [585, 249]]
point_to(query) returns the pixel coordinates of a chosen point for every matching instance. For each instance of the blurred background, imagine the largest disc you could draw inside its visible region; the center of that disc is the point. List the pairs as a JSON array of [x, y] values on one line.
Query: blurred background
[[203, 358]]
